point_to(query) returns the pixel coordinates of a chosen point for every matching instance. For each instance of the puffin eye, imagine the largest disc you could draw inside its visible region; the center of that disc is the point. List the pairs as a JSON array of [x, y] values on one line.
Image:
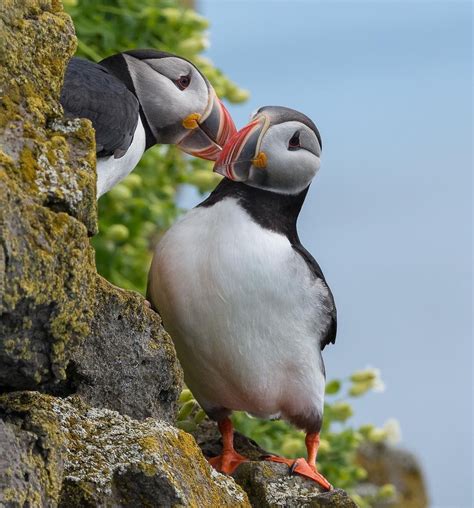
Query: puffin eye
[[294, 142], [183, 82]]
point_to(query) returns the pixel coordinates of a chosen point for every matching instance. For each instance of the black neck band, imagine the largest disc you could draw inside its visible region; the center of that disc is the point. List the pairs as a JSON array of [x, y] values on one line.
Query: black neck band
[[274, 211]]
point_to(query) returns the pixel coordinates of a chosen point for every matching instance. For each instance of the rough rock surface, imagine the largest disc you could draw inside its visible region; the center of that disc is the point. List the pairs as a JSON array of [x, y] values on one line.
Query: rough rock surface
[[268, 484], [47, 200], [385, 464], [108, 459], [128, 362], [47, 282], [48, 157], [31, 467]]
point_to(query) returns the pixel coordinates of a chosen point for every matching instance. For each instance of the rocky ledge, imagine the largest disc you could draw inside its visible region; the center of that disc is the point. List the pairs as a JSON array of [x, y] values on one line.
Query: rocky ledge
[[269, 484], [63, 452]]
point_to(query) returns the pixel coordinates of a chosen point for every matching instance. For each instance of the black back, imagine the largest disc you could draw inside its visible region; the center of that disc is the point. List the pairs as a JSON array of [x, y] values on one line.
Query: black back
[[279, 213], [91, 91]]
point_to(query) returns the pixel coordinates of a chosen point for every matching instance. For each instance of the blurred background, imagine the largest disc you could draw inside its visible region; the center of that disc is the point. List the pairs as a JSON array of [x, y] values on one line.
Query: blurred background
[[389, 217]]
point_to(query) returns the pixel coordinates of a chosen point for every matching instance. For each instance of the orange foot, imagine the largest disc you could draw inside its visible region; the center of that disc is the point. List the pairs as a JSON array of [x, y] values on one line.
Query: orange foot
[[301, 467], [227, 462]]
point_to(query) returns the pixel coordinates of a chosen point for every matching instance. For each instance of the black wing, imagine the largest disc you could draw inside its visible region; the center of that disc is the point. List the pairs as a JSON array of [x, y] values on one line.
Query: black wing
[[329, 337], [90, 91]]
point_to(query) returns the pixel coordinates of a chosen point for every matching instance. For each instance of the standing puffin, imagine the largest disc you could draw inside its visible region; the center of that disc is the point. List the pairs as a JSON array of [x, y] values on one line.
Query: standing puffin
[[246, 304], [139, 98]]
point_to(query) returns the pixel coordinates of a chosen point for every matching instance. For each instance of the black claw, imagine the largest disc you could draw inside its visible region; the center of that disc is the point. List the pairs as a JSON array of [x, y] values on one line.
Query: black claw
[[293, 466]]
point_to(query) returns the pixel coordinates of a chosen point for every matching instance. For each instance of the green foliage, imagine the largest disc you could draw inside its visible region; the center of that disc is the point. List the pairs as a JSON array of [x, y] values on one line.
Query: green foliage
[[339, 439], [132, 215]]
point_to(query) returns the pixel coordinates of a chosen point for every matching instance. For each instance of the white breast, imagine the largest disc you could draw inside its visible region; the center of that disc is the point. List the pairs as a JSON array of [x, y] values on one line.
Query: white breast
[[244, 312], [111, 171]]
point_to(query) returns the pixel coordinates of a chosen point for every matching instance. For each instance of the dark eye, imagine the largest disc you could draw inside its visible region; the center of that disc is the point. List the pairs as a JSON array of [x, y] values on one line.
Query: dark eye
[[183, 82], [294, 142]]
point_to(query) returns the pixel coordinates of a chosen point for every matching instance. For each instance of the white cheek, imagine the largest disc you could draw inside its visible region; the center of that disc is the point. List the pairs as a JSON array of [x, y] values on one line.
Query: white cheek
[[317, 165], [181, 103], [164, 103], [197, 97]]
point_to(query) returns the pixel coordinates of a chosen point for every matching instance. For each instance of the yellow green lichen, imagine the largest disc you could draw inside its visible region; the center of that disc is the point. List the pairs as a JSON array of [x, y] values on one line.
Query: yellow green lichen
[[28, 165], [95, 444], [50, 263], [45, 466]]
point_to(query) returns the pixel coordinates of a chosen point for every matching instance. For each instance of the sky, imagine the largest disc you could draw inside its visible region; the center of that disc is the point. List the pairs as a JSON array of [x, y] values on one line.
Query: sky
[[389, 216]]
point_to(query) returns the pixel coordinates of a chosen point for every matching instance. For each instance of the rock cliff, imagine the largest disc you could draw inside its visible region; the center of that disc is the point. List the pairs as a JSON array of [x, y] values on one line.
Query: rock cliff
[[89, 379]]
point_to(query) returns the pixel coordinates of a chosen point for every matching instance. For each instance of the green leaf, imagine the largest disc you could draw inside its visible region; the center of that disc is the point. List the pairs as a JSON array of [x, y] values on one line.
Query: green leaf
[[333, 387]]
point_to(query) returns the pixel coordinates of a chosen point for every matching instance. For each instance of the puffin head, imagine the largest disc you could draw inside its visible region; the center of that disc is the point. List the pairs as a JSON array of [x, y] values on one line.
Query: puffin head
[[178, 103], [278, 150]]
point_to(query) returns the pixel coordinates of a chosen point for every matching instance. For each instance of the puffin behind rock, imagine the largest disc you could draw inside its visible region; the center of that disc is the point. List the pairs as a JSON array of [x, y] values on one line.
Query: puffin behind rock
[[246, 304], [139, 98]]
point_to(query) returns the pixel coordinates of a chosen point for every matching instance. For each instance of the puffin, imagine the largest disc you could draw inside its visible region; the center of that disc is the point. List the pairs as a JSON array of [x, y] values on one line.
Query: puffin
[[247, 306], [138, 98]]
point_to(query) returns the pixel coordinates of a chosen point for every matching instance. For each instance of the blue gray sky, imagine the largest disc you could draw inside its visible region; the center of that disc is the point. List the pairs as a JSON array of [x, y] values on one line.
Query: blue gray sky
[[389, 216]]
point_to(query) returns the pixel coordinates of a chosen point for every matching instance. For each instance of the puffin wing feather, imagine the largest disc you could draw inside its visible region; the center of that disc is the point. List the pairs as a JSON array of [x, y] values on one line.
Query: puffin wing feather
[[90, 91], [329, 336]]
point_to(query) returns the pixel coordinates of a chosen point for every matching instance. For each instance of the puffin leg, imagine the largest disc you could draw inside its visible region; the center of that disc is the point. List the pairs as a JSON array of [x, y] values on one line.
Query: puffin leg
[[305, 467], [228, 461]]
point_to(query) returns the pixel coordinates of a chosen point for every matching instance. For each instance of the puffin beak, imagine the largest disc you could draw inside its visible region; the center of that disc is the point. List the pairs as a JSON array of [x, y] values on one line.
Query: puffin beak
[[208, 133], [242, 151]]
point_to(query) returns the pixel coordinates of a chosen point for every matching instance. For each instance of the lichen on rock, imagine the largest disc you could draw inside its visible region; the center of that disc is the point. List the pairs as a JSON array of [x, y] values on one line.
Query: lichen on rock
[[112, 460], [31, 461], [47, 279], [269, 484], [127, 362], [52, 160], [47, 197]]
